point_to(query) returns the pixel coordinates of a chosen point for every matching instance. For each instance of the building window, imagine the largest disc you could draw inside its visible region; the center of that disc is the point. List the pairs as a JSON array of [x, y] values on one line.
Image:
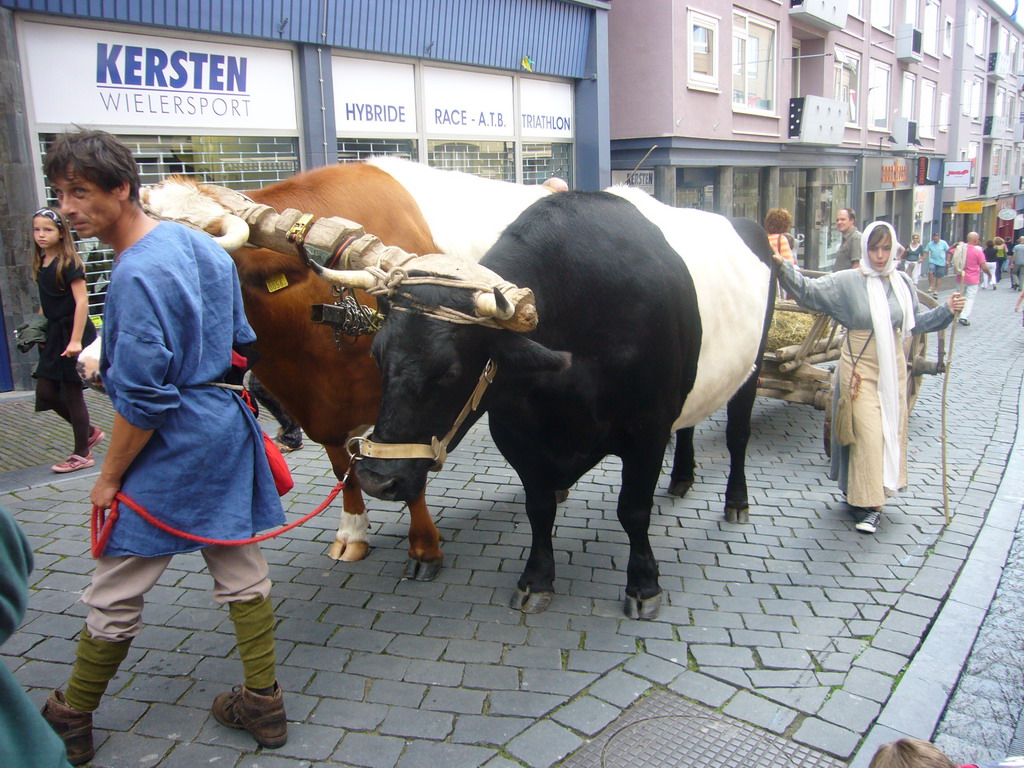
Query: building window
[[542, 160], [753, 66], [703, 50], [908, 96], [997, 161], [847, 82], [854, 9], [979, 33], [977, 88], [930, 31], [881, 14], [943, 113], [878, 95], [910, 13], [746, 192], [354, 149], [947, 34], [926, 120], [490, 159]]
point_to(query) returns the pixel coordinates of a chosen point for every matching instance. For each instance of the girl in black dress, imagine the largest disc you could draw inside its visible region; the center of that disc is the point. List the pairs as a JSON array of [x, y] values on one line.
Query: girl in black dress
[[63, 300]]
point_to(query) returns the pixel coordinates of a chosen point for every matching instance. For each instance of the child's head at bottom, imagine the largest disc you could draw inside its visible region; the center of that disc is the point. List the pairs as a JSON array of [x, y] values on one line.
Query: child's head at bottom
[[910, 753]]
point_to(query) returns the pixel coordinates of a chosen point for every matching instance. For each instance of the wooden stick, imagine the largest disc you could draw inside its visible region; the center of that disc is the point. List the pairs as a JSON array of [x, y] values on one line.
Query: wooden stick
[[945, 385]]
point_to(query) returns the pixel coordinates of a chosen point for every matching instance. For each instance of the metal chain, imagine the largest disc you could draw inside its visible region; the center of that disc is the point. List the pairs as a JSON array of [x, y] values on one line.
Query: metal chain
[[358, 319]]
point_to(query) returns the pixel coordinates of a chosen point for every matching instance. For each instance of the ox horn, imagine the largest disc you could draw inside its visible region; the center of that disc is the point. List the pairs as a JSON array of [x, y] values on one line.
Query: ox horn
[[234, 233], [494, 305], [345, 278]]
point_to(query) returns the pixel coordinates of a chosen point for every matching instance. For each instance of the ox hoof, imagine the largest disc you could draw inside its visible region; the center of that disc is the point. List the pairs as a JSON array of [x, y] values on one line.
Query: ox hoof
[[561, 496], [419, 570], [734, 515], [531, 602], [348, 551], [679, 487], [635, 608]]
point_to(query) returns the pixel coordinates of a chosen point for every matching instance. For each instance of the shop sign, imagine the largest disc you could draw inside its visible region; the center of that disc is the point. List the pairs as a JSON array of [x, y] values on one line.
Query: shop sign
[[458, 103], [373, 96], [1006, 214], [641, 179], [894, 174], [969, 206], [126, 81], [957, 173], [545, 109]]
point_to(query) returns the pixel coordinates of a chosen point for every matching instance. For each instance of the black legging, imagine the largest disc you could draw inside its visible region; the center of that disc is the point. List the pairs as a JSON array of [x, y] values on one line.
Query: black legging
[[67, 401]]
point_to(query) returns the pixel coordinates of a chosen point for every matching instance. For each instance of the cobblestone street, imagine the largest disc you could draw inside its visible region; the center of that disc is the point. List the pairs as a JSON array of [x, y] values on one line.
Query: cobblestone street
[[793, 640]]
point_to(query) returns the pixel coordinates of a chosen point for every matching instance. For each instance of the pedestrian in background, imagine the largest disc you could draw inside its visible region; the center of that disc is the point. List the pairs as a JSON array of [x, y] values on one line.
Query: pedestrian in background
[[974, 266], [777, 224], [1017, 265], [912, 259], [879, 309], [938, 253], [1001, 256], [991, 259], [190, 453], [848, 255], [64, 302], [915, 753]]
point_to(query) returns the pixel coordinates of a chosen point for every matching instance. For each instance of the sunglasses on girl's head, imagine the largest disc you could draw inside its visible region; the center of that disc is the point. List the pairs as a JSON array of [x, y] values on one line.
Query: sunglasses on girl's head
[[51, 215]]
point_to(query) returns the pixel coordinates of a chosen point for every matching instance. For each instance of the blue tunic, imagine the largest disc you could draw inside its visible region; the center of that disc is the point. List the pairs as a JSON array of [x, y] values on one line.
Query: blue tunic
[[173, 312]]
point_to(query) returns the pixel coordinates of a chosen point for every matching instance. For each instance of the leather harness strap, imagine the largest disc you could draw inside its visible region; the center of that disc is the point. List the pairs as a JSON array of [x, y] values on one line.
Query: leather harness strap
[[362, 447]]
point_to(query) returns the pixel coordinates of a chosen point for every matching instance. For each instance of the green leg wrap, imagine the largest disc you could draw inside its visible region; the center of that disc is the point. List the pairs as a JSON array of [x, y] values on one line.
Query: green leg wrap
[[254, 629], [96, 663]]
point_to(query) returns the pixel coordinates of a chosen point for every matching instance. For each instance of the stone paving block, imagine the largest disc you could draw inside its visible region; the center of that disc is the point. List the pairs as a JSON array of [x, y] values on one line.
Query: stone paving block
[[764, 714], [310, 742], [338, 685], [718, 656], [543, 745], [619, 688], [854, 713], [587, 715], [807, 700], [191, 755], [702, 688], [420, 754], [826, 737], [134, 750], [383, 667], [392, 692], [886, 662], [491, 677], [783, 658], [173, 722], [594, 661], [356, 715], [870, 685], [369, 750], [538, 658], [654, 669]]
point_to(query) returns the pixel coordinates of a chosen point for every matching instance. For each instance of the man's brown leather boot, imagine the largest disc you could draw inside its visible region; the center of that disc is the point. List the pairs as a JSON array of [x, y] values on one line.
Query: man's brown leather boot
[[262, 716], [72, 725]]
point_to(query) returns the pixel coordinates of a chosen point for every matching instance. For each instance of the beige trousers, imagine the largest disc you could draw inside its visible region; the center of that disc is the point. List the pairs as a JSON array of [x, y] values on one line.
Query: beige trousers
[[115, 596]]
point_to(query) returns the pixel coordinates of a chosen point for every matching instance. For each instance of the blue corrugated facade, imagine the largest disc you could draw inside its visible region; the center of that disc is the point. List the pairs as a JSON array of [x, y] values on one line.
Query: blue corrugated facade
[[486, 33]]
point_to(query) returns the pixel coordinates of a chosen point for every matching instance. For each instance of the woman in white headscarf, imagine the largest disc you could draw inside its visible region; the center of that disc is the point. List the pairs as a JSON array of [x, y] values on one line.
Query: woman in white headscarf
[[879, 308]]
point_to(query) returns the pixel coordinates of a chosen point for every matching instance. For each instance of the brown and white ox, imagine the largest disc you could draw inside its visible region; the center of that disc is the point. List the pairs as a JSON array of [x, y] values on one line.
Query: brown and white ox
[[335, 391]]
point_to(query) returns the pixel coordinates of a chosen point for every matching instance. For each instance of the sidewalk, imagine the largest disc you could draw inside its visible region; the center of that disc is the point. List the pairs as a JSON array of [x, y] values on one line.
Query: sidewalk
[[792, 641]]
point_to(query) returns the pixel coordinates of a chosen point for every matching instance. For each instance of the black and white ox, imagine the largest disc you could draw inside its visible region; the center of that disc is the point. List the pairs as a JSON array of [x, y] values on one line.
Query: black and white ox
[[650, 319]]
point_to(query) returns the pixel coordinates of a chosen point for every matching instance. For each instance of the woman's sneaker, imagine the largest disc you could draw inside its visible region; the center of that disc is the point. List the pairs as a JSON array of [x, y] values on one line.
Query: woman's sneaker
[[95, 437], [73, 463], [869, 523]]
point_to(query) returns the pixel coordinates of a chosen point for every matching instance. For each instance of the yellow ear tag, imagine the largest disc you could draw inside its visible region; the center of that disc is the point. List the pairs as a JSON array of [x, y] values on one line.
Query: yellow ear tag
[[277, 282]]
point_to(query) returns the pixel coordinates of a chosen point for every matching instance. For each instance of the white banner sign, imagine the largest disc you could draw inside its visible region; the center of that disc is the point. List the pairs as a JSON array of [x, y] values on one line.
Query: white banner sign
[[104, 79], [957, 173], [545, 109], [375, 96], [458, 103]]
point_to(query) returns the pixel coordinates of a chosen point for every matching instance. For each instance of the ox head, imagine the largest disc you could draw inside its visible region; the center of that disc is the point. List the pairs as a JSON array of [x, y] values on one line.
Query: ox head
[[181, 198], [431, 367]]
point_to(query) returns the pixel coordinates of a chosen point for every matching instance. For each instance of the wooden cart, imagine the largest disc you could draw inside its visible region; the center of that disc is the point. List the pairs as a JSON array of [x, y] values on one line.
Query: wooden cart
[[802, 372]]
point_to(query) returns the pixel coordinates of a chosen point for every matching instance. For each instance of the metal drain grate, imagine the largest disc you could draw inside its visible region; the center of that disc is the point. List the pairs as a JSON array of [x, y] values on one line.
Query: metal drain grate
[[667, 731]]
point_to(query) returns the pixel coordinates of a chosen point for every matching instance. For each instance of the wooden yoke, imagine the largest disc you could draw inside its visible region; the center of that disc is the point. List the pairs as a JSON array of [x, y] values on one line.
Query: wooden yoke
[[270, 229]]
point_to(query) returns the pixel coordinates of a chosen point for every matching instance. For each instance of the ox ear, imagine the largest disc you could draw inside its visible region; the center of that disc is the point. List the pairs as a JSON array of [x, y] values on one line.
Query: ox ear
[[515, 353]]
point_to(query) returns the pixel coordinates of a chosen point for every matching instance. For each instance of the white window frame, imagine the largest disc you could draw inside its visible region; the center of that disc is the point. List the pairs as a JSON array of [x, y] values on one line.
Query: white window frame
[[695, 79], [908, 95], [977, 91], [879, 90], [926, 113], [944, 112], [910, 13], [846, 59], [881, 14], [947, 34], [980, 30], [742, 36]]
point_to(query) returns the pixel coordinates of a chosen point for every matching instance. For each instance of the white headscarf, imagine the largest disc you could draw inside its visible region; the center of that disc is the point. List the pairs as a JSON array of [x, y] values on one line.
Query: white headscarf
[[881, 322]]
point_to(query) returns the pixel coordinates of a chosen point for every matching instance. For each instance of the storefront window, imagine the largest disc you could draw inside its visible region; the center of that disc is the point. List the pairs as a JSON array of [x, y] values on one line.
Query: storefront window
[[541, 161], [350, 150], [836, 192], [746, 193], [490, 159], [231, 161], [793, 197]]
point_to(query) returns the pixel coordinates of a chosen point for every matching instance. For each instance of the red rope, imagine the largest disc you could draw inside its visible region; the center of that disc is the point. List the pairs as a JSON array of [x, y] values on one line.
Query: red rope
[[102, 525]]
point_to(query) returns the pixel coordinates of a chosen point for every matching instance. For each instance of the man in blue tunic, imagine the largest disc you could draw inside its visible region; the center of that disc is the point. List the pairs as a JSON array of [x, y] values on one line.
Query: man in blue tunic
[[190, 453]]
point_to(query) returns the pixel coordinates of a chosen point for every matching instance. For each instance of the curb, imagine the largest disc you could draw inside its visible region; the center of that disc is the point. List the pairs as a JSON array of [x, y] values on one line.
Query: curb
[[920, 698]]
